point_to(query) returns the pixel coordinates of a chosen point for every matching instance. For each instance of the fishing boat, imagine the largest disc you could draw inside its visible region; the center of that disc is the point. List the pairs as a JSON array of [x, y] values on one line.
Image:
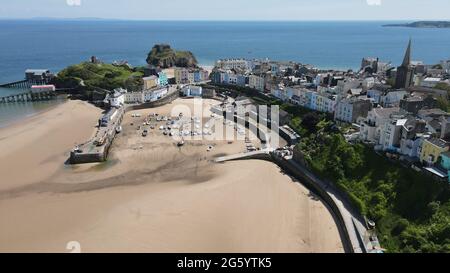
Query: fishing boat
[[181, 143], [118, 129]]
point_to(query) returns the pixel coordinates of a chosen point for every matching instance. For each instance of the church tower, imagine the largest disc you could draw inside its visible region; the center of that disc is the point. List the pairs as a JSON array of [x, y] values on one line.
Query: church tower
[[405, 72]]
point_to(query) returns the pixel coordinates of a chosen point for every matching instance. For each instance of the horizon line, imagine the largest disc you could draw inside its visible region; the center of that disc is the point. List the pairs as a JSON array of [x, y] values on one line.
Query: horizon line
[[209, 20]]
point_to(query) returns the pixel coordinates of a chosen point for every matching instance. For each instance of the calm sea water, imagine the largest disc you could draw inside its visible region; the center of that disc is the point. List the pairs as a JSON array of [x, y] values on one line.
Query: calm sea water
[[56, 44], [13, 112]]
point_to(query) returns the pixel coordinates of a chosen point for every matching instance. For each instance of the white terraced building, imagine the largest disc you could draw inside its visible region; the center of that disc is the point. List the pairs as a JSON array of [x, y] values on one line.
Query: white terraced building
[[257, 82], [234, 64], [134, 97]]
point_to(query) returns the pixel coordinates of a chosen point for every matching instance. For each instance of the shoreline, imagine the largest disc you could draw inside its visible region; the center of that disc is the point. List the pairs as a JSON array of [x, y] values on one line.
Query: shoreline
[[41, 142], [25, 117]]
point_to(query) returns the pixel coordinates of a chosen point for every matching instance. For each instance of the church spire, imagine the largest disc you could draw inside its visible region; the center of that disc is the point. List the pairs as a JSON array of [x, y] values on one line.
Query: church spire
[[407, 59]]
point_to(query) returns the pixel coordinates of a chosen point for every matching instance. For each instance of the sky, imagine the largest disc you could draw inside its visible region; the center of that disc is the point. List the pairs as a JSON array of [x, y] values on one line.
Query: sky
[[245, 10]]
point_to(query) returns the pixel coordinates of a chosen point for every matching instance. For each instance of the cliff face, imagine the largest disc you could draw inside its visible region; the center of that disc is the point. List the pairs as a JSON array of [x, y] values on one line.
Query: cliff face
[[164, 56]]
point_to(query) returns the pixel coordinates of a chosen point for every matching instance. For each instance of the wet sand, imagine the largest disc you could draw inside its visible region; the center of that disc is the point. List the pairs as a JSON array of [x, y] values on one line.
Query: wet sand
[[151, 196]]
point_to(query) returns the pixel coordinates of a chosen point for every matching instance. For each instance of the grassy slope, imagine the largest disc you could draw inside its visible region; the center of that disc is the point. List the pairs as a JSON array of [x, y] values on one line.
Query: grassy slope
[[94, 76]]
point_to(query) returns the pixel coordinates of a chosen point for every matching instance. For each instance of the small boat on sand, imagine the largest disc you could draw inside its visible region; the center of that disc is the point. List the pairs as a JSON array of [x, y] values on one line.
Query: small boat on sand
[[181, 143]]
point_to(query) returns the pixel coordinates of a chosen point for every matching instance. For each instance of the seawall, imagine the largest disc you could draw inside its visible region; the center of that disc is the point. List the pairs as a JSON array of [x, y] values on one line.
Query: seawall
[[309, 183]]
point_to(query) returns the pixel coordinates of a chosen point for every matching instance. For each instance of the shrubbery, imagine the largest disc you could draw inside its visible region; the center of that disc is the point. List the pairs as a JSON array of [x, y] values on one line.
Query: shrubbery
[[87, 77]]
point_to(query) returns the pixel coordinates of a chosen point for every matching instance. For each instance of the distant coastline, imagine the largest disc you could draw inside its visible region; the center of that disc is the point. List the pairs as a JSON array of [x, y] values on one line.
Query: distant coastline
[[423, 24]]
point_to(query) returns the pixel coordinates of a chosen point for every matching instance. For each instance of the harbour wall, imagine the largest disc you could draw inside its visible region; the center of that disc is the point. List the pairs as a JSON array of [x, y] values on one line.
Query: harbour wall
[[90, 152]]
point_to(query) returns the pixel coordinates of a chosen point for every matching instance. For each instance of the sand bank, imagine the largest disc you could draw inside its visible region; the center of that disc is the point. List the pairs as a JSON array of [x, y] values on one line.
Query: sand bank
[[158, 198]]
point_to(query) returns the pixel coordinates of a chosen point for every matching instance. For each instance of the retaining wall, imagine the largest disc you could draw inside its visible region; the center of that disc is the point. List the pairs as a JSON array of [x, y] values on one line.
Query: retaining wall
[[306, 181]]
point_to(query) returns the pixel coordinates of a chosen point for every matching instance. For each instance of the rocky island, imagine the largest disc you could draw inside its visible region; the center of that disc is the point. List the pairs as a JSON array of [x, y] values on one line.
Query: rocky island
[[423, 24], [164, 56]]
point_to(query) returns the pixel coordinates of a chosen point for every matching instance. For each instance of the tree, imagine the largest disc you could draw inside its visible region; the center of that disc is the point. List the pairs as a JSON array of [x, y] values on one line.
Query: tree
[[310, 121]]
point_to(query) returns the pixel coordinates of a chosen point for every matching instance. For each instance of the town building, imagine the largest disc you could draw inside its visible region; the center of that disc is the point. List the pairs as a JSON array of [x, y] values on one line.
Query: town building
[[405, 72], [350, 110], [155, 94], [40, 76], [208, 93], [390, 134], [229, 64], [345, 86], [192, 91], [370, 128], [445, 127], [181, 75], [445, 163], [190, 76], [369, 65], [117, 98], [415, 104], [446, 66], [163, 79], [150, 82], [43, 88], [392, 98], [257, 82], [413, 135], [432, 150], [430, 82], [134, 97]]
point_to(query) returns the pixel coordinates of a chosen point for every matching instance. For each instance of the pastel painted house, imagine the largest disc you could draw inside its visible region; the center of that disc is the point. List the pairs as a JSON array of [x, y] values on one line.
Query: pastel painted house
[[163, 79], [445, 163], [432, 150]]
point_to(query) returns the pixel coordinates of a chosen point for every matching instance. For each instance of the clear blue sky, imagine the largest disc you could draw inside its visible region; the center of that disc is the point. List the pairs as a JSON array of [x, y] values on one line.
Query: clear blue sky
[[230, 9]]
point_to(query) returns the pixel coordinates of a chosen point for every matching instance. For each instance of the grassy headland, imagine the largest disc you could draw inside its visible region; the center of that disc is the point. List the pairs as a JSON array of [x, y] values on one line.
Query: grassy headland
[[89, 78]]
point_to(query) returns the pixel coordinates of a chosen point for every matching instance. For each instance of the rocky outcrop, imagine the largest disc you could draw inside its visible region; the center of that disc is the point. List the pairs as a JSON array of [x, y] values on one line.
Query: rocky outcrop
[[164, 56]]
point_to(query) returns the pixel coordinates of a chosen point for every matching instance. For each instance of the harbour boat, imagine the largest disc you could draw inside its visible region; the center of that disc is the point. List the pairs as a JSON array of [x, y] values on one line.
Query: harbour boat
[[118, 129], [77, 150], [181, 143]]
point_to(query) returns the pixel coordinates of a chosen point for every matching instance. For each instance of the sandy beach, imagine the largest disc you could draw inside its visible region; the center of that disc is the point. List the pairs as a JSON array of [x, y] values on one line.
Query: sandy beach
[[151, 196]]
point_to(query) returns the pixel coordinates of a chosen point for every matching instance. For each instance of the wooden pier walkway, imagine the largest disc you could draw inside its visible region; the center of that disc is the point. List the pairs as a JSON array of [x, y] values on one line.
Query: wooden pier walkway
[[28, 96], [23, 84]]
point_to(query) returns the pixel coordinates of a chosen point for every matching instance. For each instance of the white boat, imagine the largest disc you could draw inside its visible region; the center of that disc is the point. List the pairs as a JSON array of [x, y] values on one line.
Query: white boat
[[118, 129]]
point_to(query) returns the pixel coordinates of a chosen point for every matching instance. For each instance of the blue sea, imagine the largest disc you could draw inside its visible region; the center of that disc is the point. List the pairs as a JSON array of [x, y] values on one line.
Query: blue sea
[[55, 44]]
